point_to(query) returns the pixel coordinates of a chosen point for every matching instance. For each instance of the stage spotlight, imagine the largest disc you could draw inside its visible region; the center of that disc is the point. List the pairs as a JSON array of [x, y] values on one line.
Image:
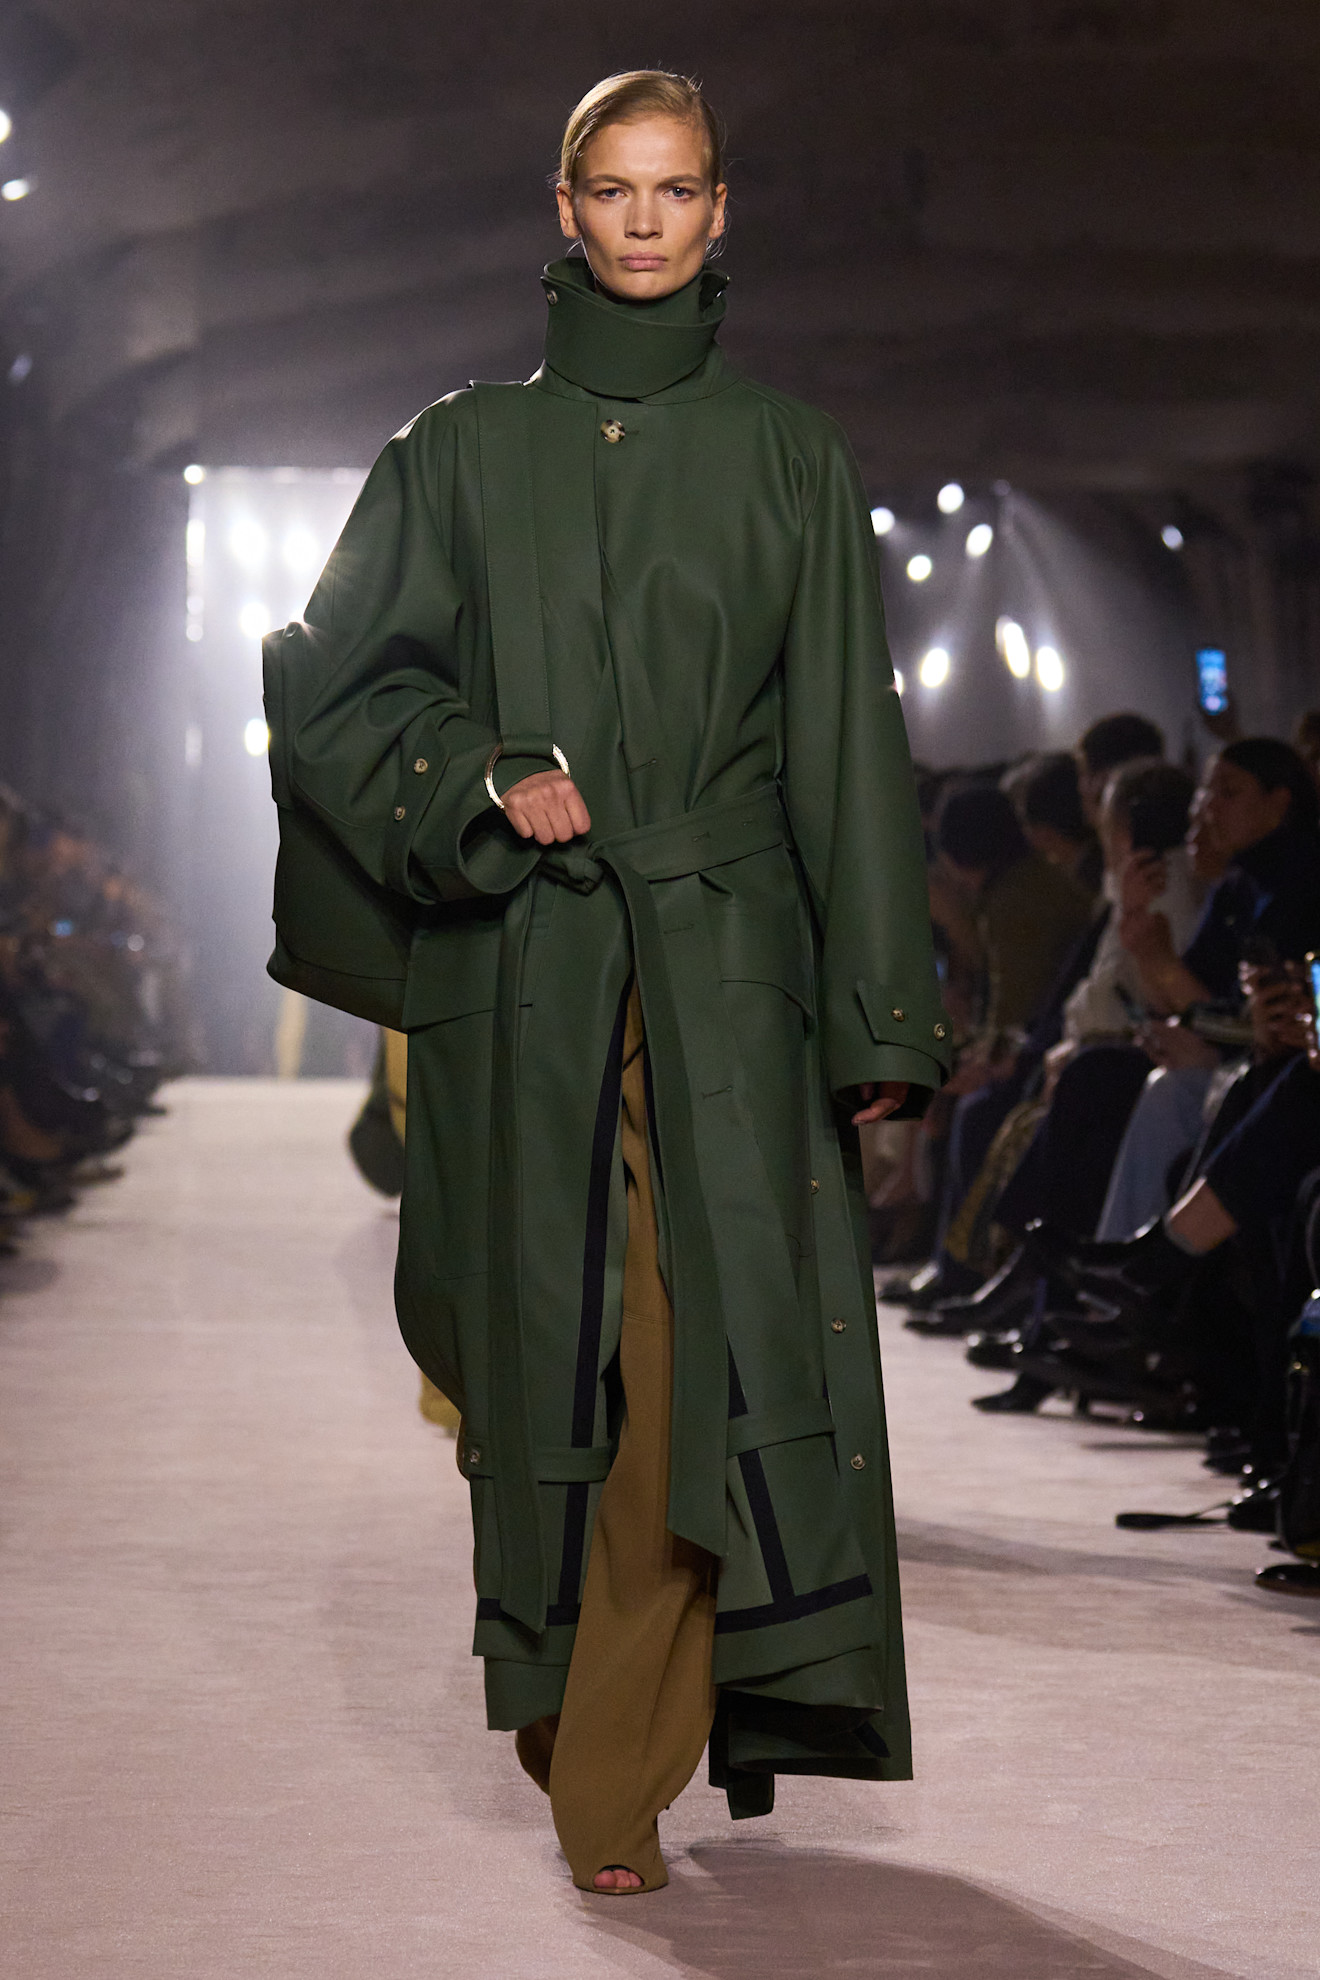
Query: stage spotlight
[[6, 125], [1171, 537], [249, 542], [950, 498], [194, 475], [898, 680], [919, 567], [254, 621], [13, 189], [1049, 669], [934, 668], [979, 538], [1012, 644], [882, 521], [256, 736]]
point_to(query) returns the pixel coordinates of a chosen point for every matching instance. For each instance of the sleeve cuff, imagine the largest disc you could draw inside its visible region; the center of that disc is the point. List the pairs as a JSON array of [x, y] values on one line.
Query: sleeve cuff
[[874, 1031], [448, 841]]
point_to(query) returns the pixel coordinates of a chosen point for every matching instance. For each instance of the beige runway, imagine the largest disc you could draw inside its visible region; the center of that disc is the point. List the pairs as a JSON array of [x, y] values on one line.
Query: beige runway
[[242, 1734]]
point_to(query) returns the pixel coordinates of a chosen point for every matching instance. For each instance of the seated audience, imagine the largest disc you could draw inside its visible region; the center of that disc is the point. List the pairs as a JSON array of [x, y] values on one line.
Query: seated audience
[[90, 1012], [1168, 1092]]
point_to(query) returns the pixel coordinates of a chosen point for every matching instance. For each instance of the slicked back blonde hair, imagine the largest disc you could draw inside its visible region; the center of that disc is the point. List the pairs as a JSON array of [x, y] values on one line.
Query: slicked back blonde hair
[[639, 93]]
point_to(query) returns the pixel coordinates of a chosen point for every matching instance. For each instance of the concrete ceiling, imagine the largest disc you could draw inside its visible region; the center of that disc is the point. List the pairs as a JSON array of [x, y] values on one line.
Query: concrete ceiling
[[1071, 243]]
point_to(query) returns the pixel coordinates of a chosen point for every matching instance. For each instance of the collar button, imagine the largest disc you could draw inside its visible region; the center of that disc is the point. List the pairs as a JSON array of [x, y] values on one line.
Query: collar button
[[614, 430]]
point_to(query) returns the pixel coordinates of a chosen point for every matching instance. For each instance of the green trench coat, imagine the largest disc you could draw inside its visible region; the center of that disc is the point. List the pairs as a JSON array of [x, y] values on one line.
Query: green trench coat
[[709, 654]]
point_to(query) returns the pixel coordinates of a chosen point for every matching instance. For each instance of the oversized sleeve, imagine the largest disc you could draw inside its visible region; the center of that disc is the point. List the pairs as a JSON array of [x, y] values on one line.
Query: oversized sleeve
[[392, 751], [852, 803]]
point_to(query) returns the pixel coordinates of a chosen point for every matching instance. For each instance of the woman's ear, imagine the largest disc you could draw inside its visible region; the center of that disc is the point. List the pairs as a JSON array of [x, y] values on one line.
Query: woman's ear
[[568, 225]]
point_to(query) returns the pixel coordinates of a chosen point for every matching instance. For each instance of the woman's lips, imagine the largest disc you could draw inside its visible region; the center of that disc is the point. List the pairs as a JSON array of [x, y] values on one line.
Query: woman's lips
[[640, 261]]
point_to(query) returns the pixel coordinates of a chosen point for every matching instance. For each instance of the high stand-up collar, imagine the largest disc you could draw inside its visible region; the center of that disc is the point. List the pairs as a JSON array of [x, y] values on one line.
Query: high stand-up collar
[[622, 350]]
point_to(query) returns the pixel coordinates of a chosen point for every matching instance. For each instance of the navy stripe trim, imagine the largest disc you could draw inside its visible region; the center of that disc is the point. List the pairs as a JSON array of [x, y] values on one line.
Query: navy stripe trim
[[793, 1608], [768, 1537], [489, 1610], [595, 1251]]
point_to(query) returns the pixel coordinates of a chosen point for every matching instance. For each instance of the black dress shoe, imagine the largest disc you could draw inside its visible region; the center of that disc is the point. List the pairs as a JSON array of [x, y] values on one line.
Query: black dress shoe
[[1257, 1509], [938, 1324], [993, 1350], [1004, 1301], [908, 1286], [1147, 1263], [920, 1292], [1026, 1395], [1291, 1578]]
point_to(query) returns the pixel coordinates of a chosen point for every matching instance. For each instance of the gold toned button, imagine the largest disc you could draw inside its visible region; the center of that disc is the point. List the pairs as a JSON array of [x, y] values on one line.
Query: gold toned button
[[838, 1325], [552, 295], [899, 1017], [858, 1463], [400, 811], [815, 1187], [421, 766], [614, 430], [939, 1031]]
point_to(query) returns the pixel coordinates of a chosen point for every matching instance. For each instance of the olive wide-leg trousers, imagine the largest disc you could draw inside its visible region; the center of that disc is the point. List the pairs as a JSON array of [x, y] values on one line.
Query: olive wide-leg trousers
[[639, 1700]]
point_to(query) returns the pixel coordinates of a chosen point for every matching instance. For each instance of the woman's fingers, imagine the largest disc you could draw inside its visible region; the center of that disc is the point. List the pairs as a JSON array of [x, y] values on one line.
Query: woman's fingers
[[547, 807]]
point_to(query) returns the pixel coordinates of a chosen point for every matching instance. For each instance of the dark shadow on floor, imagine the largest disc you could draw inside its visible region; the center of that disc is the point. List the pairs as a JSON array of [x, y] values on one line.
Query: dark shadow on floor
[[27, 1275], [762, 1912]]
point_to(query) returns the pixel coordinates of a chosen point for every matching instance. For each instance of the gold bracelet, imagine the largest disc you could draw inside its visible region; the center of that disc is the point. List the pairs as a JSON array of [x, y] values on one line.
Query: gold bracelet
[[494, 758]]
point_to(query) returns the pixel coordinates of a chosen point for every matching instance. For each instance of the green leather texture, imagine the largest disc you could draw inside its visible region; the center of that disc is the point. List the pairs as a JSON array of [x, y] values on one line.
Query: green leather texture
[[682, 581]]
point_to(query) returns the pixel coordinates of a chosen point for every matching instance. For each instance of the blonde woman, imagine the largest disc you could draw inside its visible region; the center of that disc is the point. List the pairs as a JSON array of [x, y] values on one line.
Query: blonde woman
[[594, 779]]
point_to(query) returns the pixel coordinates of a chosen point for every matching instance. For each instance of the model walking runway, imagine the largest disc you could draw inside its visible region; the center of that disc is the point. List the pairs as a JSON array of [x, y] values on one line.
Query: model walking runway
[[241, 1721]]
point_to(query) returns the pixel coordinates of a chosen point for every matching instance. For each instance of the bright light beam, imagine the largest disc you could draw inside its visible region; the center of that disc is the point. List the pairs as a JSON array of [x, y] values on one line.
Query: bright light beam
[[950, 498], [934, 668], [882, 521], [1049, 668], [1012, 644], [979, 538], [919, 567]]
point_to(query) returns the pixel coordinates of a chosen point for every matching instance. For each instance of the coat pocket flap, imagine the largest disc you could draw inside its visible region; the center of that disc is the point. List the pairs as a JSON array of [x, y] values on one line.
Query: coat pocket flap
[[783, 1424], [454, 971], [764, 947]]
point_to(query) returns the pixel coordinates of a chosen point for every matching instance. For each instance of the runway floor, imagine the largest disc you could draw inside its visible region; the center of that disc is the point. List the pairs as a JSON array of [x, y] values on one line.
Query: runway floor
[[243, 1735]]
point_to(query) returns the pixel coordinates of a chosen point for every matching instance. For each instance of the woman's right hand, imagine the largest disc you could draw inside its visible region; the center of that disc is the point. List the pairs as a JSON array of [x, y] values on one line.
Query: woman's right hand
[[547, 807]]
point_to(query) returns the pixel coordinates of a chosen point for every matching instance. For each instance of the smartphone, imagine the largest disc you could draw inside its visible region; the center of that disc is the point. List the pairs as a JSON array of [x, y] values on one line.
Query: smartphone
[[1212, 679]]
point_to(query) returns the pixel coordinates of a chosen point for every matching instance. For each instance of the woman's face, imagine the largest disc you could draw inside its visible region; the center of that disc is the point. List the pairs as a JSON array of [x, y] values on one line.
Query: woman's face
[[1234, 809], [643, 207]]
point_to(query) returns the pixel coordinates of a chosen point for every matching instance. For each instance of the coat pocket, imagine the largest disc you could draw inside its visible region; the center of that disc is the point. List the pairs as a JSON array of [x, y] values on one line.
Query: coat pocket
[[765, 945], [454, 970]]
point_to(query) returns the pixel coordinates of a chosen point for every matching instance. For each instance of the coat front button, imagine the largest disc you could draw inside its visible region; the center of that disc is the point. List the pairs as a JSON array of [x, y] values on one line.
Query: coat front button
[[614, 430], [400, 811], [474, 1457], [552, 295], [858, 1463], [421, 766], [838, 1325], [815, 1187], [899, 1017], [940, 1030]]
